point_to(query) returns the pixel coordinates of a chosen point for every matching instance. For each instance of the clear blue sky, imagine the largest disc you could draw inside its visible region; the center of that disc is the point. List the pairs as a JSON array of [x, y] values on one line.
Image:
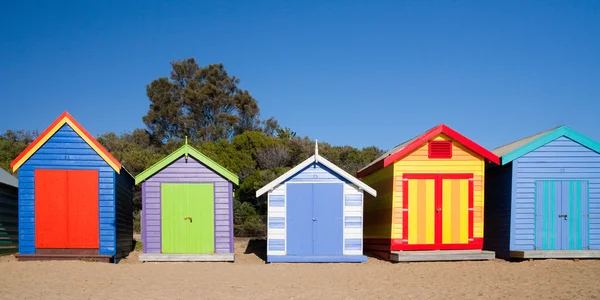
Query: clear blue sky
[[354, 73]]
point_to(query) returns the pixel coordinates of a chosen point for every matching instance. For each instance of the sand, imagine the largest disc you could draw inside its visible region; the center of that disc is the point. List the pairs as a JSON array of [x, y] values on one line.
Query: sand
[[250, 278]]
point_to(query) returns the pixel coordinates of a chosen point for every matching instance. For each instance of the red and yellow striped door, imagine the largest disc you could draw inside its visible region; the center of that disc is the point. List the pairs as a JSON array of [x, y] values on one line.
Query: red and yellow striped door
[[438, 211], [455, 211], [421, 212]]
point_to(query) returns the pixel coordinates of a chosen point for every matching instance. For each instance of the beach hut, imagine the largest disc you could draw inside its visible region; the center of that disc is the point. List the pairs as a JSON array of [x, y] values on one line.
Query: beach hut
[[430, 197], [9, 238], [75, 199], [187, 204], [315, 214], [544, 199]]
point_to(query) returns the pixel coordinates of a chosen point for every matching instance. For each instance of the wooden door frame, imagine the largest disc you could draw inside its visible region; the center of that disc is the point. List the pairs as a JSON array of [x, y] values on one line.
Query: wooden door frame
[[438, 179]]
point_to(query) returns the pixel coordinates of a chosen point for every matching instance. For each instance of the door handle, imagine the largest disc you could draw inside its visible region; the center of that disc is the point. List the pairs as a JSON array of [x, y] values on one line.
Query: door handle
[[188, 218], [314, 219], [562, 216], [438, 209]]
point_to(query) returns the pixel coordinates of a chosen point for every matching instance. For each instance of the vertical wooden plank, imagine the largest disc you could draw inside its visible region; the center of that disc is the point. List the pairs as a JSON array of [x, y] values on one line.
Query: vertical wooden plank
[[413, 208], [423, 231], [447, 211], [299, 214], [172, 230], [430, 197], [470, 222], [82, 209], [328, 211], [51, 209], [574, 204], [548, 224], [438, 200], [201, 207], [421, 216], [405, 209]]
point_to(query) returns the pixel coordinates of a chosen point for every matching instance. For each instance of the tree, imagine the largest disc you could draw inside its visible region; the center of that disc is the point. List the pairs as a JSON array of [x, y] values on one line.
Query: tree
[[202, 103], [12, 143]]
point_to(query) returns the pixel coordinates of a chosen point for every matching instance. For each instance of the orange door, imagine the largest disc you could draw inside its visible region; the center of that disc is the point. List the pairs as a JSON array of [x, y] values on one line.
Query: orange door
[[66, 209], [82, 217], [50, 209]]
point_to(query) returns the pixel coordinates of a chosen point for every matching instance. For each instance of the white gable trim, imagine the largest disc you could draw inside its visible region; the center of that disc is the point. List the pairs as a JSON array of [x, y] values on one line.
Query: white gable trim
[[316, 159]]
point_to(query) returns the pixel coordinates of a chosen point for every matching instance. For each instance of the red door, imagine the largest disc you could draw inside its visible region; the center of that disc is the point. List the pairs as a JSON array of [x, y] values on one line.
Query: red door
[[437, 212], [66, 209]]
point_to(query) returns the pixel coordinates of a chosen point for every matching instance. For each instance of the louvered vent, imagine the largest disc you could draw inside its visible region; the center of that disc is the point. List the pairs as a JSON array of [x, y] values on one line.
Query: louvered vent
[[440, 149]]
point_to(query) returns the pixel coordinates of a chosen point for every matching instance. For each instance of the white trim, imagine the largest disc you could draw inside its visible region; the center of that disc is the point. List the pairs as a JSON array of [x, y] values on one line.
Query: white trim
[[316, 159], [354, 180]]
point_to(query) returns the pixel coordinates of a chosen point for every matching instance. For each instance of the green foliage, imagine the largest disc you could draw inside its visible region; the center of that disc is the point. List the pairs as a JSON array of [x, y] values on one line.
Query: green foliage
[[220, 120], [247, 222], [203, 103], [138, 245], [12, 143], [137, 221]]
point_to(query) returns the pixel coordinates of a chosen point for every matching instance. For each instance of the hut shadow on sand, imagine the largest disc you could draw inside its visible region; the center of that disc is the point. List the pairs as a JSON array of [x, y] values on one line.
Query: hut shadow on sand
[[257, 247]]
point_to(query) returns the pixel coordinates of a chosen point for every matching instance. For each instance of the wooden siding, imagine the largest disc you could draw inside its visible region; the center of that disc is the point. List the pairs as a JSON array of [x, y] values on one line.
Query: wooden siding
[[352, 214], [561, 159], [124, 213], [378, 210], [276, 216], [497, 209], [66, 150], [463, 160], [9, 237], [191, 171]]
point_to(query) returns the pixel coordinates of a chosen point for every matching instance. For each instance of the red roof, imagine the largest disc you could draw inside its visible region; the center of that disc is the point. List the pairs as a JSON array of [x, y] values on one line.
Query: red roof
[[65, 117], [406, 148]]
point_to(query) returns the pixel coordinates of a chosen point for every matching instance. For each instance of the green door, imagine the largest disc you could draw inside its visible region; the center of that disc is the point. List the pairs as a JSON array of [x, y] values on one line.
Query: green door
[[188, 218]]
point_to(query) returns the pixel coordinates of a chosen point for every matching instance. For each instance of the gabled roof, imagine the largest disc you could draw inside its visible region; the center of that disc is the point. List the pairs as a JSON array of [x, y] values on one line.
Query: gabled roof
[[309, 161], [407, 147], [8, 179], [65, 118], [516, 149], [186, 150]]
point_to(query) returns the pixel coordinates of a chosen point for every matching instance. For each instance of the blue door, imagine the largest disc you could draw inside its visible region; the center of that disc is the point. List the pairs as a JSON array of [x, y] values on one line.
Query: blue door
[[314, 219], [299, 219], [328, 230], [561, 214]]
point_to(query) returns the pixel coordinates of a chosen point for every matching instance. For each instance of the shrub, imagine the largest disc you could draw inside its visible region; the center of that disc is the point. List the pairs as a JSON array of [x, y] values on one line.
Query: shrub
[[247, 222], [137, 216]]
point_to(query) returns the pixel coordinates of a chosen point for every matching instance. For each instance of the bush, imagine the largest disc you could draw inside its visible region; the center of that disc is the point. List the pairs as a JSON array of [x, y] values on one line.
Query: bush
[[247, 222], [252, 226], [137, 216]]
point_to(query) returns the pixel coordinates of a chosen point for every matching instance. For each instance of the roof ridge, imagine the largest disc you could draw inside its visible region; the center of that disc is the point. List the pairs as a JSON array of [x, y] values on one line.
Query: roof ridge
[[530, 136]]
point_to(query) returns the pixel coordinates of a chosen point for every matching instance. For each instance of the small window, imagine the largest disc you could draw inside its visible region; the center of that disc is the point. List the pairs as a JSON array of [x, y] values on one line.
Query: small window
[[440, 149]]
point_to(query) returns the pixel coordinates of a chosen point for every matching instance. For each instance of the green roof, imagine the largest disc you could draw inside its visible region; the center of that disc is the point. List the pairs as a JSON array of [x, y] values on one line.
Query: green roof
[[521, 147], [186, 150]]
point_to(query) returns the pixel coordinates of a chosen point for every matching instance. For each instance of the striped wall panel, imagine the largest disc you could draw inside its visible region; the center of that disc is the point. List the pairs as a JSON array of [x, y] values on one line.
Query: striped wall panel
[[276, 231], [353, 244]]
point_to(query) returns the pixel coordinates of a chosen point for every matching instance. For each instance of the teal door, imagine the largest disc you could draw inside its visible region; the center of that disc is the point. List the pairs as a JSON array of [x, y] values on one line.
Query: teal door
[[561, 215]]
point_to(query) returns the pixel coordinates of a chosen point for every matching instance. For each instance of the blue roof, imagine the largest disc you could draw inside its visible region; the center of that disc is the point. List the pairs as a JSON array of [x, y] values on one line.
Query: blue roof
[[521, 147], [8, 179]]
